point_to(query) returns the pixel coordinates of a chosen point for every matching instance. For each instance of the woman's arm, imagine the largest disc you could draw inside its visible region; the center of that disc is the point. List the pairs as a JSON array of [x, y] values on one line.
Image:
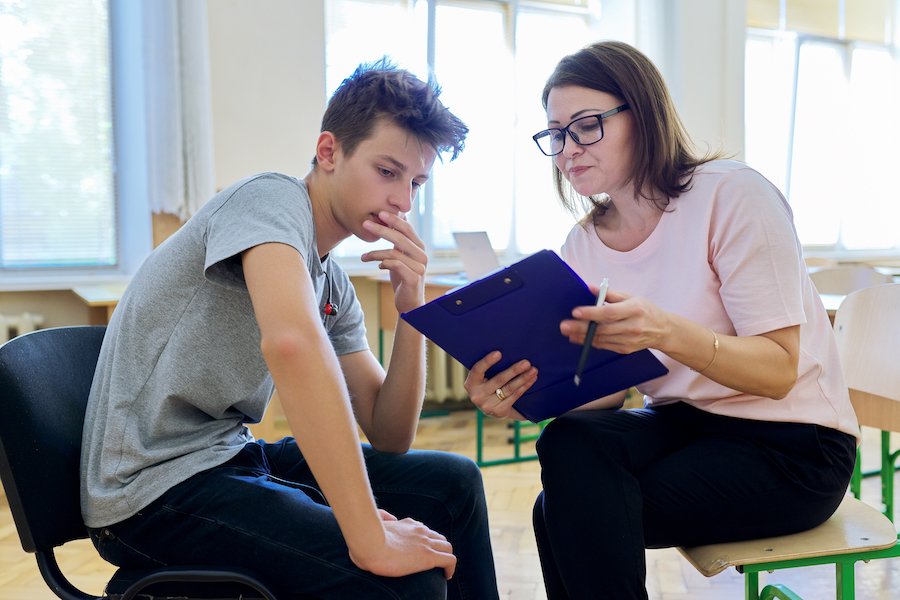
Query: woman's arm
[[763, 365]]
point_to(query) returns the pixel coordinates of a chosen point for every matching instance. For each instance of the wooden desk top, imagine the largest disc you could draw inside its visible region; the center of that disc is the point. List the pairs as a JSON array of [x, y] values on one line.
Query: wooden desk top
[[106, 294]]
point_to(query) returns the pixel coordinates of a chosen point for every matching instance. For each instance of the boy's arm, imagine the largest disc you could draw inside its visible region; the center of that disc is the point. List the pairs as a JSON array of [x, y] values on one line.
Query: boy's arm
[[388, 405], [315, 401]]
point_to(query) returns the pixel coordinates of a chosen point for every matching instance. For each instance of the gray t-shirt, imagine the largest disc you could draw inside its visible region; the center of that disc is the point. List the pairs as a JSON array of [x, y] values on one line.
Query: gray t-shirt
[[180, 370]]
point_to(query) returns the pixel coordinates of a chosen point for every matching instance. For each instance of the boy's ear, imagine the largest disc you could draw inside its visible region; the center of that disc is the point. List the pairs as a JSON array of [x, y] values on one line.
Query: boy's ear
[[327, 147]]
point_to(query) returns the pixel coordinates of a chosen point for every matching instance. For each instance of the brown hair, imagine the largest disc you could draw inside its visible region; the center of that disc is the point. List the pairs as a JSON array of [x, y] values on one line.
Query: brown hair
[[664, 161], [381, 90]]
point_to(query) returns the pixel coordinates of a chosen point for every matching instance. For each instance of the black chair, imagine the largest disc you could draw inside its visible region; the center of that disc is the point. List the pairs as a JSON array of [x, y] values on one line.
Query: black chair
[[45, 378]]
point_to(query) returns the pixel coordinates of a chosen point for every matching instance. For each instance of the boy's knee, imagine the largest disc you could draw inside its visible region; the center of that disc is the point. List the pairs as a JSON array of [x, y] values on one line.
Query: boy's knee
[[426, 585], [462, 472]]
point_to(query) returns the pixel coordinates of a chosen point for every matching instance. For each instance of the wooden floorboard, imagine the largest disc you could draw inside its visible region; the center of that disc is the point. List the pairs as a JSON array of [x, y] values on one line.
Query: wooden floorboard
[[510, 490]]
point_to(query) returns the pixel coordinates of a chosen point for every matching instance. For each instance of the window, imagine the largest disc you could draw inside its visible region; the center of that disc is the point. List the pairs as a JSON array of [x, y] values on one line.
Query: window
[[57, 188], [821, 119], [487, 58]]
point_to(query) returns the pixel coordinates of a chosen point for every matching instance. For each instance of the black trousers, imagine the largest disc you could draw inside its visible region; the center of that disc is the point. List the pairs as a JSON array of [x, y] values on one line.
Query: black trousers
[[619, 481]]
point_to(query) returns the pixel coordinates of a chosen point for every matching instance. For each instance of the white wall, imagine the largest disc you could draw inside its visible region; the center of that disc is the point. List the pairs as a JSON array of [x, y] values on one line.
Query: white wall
[[698, 46], [267, 69]]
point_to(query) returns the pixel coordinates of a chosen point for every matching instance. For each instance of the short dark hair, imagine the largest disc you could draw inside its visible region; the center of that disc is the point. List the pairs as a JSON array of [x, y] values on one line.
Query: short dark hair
[[664, 159], [382, 90]]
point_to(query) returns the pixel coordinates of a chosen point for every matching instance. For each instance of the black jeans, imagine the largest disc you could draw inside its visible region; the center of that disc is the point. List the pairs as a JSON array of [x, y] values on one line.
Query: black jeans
[[262, 511], [619, 481]]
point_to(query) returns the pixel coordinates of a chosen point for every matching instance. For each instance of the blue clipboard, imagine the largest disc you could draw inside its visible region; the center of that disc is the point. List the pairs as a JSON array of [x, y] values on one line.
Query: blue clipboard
[[517, 310]]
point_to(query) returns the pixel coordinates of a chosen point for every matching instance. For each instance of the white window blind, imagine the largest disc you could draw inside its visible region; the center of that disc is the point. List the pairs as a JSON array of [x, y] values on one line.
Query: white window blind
[[57, 192]]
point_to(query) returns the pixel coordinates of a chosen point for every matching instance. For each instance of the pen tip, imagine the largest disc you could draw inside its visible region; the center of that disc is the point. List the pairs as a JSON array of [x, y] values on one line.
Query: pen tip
[[577, 380]]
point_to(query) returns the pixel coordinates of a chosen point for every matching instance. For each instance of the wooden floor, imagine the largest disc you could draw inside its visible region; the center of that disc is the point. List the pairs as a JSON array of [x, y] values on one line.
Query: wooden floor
[[511, 490]]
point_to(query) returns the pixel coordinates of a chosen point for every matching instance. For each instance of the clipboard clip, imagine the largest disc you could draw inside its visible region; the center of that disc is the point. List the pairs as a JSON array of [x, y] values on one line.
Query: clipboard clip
[[482, 291]]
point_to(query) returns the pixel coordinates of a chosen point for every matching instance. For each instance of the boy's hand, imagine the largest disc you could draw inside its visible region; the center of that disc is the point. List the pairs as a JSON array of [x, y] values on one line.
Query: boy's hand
[[406, 261], [410, 547]]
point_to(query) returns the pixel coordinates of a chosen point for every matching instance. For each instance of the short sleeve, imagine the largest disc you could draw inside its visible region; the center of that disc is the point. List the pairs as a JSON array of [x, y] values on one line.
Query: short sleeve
[[268, 208], [755, 252]]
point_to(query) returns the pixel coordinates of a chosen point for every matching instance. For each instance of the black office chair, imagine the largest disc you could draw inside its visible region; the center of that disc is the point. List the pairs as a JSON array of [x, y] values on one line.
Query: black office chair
[[45, 378]]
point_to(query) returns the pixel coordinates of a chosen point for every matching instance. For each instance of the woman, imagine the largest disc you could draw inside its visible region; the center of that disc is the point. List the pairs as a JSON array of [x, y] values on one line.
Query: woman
[[751, 433]]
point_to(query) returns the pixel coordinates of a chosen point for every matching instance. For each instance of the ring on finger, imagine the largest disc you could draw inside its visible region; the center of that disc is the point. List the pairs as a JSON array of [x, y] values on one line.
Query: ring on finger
[[500, 394]]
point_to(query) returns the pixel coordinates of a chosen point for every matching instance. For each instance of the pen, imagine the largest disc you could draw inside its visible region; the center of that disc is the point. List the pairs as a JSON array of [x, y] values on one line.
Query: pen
[[592, 329]]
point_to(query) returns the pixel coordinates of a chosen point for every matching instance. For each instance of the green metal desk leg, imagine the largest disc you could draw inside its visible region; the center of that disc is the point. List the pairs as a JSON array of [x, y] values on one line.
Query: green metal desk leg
[[846, 579], [751, 586], [517, 441], [888, 462], [856, 478]]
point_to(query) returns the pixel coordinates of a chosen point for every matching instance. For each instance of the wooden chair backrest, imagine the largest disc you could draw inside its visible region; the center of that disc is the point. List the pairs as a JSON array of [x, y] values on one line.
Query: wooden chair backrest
[[867, 328], [843, 280]]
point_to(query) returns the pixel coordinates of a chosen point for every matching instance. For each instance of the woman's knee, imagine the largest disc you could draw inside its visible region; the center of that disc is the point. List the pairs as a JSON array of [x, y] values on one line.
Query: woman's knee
[[563, 439]]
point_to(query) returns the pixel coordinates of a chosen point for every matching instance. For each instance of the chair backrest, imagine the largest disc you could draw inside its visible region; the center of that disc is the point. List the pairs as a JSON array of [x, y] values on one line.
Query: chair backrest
[[867, 328], [45, 379], [846, 279], [820, 261]]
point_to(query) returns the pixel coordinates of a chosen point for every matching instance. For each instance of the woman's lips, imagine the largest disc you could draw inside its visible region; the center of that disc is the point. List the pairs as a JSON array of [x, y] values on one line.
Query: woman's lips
[[576, 171]]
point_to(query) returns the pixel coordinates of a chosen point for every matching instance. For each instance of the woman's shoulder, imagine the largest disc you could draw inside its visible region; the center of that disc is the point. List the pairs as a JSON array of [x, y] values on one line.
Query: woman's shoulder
[[726, 167], [733, 179]]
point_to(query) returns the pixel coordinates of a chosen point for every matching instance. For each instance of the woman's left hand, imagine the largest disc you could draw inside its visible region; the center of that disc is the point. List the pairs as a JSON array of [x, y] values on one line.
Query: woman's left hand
[[495, 396], [625, 324]]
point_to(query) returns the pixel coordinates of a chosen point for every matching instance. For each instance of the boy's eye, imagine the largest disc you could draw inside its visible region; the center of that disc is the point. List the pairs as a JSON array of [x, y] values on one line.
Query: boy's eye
[[385, 172]]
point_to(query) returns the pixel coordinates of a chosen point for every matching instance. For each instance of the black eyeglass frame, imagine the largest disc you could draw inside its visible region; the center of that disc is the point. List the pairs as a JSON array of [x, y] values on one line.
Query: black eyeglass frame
[[566, 132]]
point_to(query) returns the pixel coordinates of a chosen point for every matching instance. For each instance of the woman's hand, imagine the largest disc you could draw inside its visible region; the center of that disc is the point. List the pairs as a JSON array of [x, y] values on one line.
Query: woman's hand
[[624, 324], [495, 396]]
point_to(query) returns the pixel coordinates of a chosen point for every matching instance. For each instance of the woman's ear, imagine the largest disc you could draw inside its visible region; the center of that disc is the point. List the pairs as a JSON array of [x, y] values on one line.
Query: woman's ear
[[327, 147]]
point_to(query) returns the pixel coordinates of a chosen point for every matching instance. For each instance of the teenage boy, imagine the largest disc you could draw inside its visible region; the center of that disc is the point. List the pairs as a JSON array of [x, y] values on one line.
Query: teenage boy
[[246, 294]]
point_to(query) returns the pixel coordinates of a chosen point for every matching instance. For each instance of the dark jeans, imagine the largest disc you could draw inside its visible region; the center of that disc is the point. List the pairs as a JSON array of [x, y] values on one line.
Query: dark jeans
[[262, 511], [618, 481]]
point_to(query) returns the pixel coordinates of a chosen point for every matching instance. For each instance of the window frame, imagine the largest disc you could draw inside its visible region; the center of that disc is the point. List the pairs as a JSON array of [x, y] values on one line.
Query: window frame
[[845, 47], [129, 150]]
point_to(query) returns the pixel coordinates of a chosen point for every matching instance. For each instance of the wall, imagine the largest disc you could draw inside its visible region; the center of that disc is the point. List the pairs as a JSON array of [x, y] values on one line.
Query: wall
[[267, 65]]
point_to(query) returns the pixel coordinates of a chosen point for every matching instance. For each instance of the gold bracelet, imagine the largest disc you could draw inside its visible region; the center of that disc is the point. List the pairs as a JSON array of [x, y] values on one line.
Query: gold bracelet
[[715, 353]]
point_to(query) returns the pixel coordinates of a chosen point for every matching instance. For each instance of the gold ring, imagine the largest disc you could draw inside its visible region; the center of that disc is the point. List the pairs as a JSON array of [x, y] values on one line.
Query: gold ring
[[500, 394]]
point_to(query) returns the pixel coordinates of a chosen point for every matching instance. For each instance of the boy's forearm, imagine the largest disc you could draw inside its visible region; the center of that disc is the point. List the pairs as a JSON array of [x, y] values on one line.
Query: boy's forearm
[[399, 402], [318, 413]]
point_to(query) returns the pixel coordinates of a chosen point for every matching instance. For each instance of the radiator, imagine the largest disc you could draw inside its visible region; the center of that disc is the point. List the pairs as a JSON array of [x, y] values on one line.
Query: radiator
[[11, 326], [445, 376]]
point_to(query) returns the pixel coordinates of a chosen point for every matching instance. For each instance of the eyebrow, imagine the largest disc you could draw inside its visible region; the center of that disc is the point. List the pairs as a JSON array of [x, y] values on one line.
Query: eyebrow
[[577, 114]]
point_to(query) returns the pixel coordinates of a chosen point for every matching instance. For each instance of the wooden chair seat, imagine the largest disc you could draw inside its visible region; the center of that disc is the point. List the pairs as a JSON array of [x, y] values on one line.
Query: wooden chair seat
[[854, 527]]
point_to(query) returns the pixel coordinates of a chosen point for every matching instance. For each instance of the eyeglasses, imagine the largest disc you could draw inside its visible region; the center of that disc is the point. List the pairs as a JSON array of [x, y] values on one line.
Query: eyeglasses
[[584, 131]]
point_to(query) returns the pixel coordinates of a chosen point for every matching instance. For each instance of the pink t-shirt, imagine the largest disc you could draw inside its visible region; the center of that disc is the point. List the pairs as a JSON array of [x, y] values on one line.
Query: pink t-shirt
[[726, 255]]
